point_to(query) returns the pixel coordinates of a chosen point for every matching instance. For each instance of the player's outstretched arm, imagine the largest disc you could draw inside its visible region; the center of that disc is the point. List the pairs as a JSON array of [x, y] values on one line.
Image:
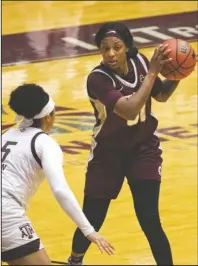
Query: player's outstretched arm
[[52, 160]]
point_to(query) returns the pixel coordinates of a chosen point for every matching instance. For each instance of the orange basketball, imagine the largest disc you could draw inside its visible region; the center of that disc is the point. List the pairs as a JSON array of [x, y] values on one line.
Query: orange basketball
[[183, 60]]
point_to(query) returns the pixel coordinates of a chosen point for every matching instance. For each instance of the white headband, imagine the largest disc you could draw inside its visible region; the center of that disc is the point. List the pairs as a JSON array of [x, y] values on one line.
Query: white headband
[[47, 109], [111, 31]]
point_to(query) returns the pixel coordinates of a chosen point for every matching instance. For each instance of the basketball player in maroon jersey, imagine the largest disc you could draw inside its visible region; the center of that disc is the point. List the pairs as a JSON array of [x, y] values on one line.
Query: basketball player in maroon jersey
[[124, 142]]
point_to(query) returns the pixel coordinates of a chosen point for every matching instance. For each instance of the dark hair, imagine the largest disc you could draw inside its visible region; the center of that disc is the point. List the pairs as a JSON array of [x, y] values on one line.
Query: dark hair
[[123, 33], [28, 100]]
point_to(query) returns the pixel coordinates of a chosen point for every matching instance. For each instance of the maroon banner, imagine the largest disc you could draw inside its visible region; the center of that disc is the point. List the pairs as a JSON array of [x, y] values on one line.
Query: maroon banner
[[79, 40]]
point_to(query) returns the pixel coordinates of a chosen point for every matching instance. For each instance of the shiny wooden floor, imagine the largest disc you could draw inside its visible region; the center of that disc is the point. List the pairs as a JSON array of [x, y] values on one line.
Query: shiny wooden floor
[[65, 81]]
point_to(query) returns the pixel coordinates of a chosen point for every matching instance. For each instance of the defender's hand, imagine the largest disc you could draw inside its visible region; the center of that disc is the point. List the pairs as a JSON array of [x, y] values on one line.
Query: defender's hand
[[101, 242]]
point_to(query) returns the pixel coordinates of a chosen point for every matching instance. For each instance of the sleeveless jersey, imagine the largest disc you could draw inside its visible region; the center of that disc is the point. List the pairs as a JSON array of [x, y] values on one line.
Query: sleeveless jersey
[[21, 167], [105, 88]]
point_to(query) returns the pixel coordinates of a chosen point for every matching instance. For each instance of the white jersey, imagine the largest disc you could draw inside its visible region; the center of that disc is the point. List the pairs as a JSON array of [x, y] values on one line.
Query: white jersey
[[27, 156], [21, 170]]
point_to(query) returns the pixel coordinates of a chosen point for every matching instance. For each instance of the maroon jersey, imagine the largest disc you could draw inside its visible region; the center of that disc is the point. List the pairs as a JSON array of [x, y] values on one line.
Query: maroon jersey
[[105, 88]]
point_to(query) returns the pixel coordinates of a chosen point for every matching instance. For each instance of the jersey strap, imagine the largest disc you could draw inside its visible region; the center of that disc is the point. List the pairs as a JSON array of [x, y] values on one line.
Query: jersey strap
[[33, 147]]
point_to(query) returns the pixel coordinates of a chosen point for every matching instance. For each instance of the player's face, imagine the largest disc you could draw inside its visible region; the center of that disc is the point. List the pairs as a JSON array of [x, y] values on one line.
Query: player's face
[[113, 51]]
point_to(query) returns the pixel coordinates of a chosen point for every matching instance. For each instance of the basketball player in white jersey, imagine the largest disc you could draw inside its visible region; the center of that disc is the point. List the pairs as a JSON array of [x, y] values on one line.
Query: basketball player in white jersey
[[29, 154]]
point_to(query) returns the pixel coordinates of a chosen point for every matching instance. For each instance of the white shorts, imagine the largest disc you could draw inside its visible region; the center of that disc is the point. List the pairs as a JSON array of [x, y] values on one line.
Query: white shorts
[[18, 236]]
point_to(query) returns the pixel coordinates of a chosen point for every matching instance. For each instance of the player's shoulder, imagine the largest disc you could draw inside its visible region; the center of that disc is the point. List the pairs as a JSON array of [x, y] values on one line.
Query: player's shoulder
[[99, 74], [46, 145], [100, 66], [7, 132], [20, 133], [144, 57], [44, 138], [94, 72]]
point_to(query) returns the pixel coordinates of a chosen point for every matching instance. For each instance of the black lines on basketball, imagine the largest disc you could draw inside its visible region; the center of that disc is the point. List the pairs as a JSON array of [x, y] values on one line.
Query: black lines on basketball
[[183, 62]]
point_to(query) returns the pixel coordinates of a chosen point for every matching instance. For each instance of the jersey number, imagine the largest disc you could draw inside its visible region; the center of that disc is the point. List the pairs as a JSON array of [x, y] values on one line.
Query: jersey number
[[141, 117], [6, 150]]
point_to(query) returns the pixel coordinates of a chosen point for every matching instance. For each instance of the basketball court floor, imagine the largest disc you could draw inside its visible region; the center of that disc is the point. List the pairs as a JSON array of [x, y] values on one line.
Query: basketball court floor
[[49, 43]]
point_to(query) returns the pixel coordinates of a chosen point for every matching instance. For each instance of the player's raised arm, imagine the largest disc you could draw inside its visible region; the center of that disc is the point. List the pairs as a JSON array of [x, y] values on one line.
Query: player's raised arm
[[129, 107]]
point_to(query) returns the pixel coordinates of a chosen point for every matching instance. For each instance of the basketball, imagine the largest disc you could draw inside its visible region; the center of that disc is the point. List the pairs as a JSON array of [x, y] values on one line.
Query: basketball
[[183, 60]]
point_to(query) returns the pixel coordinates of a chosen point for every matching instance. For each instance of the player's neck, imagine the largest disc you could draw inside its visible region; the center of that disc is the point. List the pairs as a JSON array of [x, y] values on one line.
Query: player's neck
[[38, 124], [122, 70]]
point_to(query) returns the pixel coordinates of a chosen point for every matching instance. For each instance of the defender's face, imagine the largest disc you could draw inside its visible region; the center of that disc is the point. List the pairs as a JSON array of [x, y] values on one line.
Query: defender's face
[[113, 51]]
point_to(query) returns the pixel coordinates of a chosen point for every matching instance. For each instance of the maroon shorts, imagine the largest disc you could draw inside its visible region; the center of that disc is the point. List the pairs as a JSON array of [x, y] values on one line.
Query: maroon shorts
[[108, 168]]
